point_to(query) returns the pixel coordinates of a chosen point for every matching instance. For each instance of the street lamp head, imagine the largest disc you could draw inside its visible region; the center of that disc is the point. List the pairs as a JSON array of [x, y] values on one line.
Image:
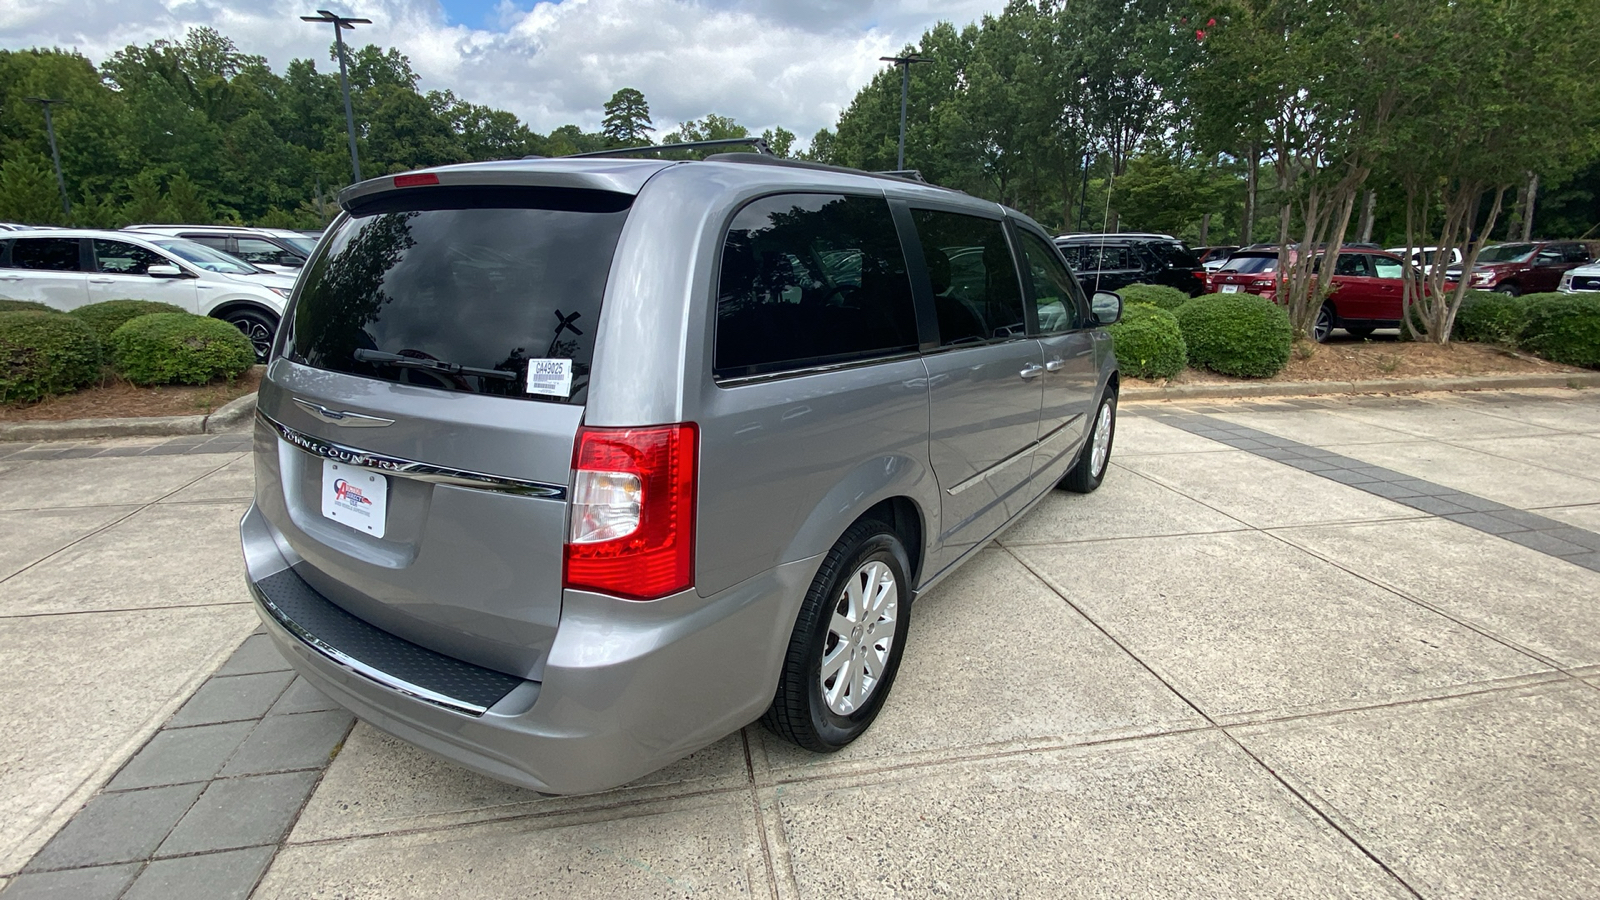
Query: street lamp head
[[338, 21]]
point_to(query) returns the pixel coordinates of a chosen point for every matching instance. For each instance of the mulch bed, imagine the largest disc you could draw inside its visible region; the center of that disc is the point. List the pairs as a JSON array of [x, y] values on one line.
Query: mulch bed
[[116, 399], [1350, 359]]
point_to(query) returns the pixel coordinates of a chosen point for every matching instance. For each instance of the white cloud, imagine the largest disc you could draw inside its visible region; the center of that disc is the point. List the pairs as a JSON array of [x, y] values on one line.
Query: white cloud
[[763, 62]]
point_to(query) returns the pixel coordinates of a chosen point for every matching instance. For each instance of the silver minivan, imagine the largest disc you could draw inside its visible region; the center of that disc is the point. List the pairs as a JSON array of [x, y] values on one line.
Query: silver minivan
[[567, 468]]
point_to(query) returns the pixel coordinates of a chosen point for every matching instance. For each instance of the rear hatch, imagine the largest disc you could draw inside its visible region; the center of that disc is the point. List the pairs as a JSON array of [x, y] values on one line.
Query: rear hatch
[[423, 412], [1254, 273]]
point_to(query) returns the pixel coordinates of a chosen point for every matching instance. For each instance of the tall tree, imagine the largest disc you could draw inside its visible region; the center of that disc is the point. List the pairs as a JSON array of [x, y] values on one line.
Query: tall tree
[[627, 122]]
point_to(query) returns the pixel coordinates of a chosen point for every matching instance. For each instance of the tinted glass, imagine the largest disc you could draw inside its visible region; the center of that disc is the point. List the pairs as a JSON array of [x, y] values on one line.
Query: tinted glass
[[1353, 264], [1507, 253], [1054, 292], [122, 258], [206, 258], [1249, 265], [52, 254], [1575, 253], [974, 278], [303, 245], [811, 279], [1175, 256], [257, 251], [214, 241], [1385, 267], [486, 279]]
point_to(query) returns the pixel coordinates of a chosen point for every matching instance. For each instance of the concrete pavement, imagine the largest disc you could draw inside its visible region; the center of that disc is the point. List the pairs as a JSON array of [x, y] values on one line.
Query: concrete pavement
[[1327, 647]]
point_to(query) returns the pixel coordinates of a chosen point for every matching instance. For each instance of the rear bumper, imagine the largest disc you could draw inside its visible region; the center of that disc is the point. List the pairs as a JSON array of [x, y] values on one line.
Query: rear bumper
[[628, 687]]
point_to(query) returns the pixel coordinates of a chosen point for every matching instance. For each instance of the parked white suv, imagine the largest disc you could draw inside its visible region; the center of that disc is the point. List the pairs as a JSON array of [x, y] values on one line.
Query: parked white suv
[[275, 249], [70, 268]]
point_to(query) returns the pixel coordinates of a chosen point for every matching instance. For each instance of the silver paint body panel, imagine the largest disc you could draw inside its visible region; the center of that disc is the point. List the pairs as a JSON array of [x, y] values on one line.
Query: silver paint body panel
[[787, 464]]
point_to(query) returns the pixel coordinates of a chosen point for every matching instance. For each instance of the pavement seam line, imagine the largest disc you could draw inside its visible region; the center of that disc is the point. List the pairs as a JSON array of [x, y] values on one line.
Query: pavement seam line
[[761, 820], [110, 525], [1271, 772]]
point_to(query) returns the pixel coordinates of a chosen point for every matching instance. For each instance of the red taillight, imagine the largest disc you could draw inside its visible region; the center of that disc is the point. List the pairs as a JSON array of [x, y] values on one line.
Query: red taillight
[[632, 530], [417, 180]]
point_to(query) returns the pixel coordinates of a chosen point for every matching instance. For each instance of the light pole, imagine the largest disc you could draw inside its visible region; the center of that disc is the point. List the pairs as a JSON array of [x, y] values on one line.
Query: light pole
[[340, 23], [50, 129], [904, 62]]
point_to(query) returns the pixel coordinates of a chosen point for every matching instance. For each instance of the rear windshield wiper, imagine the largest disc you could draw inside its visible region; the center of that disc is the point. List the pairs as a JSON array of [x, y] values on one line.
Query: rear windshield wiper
[[432, 365]]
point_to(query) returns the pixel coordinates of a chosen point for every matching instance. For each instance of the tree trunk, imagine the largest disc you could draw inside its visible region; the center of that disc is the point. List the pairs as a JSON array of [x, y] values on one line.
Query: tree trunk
[[1205, 230], [1531, 194], [1247, 231], [1369, 210]]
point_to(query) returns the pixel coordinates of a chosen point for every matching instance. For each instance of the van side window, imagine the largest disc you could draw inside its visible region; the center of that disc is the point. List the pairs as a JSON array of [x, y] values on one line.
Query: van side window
[[811, 279], [975, 289], [1054, 294], [51, 254]]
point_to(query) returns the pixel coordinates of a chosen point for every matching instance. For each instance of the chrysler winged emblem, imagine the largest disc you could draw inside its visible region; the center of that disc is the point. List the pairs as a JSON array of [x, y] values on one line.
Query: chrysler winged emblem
[[343, 418]]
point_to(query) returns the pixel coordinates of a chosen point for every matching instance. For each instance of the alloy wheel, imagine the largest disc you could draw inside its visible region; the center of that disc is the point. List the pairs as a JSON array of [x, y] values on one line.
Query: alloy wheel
[[855, 654]]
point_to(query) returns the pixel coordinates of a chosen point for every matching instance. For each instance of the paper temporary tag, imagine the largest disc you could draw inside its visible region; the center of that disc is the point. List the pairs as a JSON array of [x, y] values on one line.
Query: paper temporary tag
[[550, 377]]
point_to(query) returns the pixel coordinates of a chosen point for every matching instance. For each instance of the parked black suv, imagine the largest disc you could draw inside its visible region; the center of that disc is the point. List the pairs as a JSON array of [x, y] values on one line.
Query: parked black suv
[[1110, 262]]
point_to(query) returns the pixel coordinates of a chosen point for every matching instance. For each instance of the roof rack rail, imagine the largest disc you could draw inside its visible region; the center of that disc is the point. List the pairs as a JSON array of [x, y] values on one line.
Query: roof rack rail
[[759, 144], [912, 174]]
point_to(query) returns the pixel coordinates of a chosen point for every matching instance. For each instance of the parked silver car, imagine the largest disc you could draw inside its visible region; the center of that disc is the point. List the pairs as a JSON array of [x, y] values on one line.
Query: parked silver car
[[568, 468]]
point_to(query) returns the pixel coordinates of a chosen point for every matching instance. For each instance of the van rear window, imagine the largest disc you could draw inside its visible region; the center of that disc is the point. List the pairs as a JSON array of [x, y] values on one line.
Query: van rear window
[[463, 289]]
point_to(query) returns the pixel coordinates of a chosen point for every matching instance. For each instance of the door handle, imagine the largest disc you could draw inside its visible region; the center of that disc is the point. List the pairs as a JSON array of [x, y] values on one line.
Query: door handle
[[1033, 371], [102, 281], [1054, 365]]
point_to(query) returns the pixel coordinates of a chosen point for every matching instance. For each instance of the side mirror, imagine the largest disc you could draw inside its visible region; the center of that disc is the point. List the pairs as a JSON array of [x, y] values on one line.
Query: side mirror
[[1107, 307], [164, 272], [291, 261]]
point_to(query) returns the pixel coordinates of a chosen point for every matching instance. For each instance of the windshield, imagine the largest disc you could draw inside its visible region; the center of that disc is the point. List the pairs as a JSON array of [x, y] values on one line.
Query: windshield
[[1507, 253], [1249, 265], [302, 244], [468, 283], [206, 258]]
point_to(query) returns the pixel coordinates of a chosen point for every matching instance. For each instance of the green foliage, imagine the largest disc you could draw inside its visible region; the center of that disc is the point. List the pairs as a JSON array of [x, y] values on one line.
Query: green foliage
[[22, 306], [1148, 342], [1492, 318], [148, 206], [1236, 334], [185, 202], [1168, 298], [44, 353], [1564, 328], [179, 348], [107, 316], [627, 122], [28, 192]]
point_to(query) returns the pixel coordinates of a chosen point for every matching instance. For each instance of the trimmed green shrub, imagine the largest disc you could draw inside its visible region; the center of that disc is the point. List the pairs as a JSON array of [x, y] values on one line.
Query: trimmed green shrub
[[107, 316], [1565, 329], [1492, 318], [22, 306], [178, 348], [44, 353], [1236, 334], [1148, 342], [1168, 298]]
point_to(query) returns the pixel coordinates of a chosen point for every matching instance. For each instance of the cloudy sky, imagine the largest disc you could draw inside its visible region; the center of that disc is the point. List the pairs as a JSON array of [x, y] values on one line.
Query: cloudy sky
[[764, 62]]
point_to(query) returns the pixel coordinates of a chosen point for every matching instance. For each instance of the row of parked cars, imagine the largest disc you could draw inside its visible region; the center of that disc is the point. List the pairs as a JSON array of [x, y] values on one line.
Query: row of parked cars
[[1367, 280], [240, 275]]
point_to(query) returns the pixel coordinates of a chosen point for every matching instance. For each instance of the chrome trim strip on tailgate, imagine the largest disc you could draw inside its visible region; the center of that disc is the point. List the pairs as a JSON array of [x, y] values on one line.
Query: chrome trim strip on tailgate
[[407, 468]]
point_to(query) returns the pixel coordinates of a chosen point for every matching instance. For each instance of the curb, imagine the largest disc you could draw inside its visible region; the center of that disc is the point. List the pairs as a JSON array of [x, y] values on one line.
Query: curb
[[232, 416], [1573, 380]]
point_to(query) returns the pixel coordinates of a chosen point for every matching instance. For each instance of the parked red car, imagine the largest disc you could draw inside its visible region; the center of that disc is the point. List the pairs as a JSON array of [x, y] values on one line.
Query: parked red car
[[1523, 268], [1368, 290]]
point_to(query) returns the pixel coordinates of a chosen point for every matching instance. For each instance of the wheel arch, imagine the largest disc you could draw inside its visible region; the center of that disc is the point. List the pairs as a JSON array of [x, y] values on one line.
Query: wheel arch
[[897, 490], [221, 310]]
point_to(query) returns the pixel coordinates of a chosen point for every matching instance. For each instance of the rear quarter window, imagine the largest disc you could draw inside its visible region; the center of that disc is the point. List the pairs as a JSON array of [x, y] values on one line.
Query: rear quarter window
[[810, 280], [471, 283]]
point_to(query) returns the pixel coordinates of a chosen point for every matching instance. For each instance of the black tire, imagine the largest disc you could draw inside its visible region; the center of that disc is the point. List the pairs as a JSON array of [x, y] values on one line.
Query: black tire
[[258, 325], [1362, 332], [1085, 476], [1510, 290], [1322, 329], [800, 712]]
